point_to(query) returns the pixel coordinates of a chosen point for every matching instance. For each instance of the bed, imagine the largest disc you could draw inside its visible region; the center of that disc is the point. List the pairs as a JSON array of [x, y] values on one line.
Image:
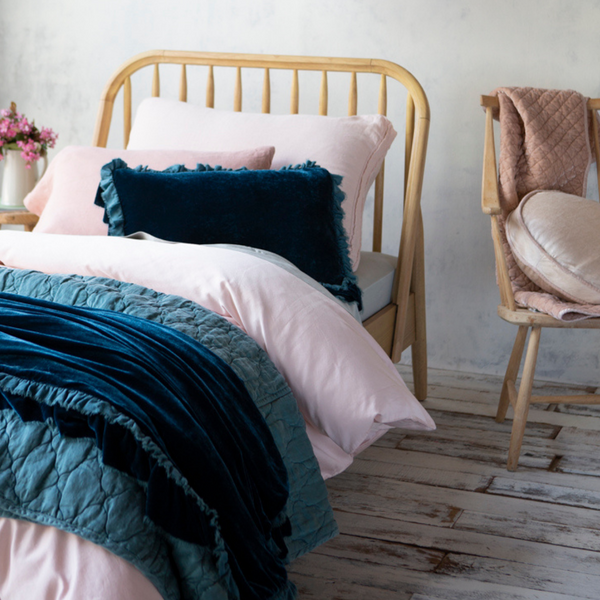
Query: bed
[[173, 393]]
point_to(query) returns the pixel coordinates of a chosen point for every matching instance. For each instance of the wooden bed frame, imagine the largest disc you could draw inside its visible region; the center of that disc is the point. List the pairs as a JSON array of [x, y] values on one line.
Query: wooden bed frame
[[402, 323]]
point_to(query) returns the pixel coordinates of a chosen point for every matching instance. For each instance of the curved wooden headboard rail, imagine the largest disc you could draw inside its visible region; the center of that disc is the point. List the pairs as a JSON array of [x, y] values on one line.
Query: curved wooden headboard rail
[[240, 61], [417, 131]]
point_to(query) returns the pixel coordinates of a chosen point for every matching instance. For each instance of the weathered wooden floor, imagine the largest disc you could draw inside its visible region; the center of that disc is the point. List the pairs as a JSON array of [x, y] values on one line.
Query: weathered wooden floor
[[436, 516]]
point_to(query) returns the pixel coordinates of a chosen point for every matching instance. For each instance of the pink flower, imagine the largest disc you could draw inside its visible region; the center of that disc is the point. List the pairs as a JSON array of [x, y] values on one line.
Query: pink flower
[[31, 151], [17, 131], [25, 126], [48, 136]]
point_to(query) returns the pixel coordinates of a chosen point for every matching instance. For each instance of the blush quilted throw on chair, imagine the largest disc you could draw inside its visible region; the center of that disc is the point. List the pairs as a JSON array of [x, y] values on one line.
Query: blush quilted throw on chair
[[544, 145], [545, 142]]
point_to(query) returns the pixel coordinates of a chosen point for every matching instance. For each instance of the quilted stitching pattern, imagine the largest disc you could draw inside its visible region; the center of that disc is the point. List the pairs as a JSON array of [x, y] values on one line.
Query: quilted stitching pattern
[[39, 469], [544, 142]]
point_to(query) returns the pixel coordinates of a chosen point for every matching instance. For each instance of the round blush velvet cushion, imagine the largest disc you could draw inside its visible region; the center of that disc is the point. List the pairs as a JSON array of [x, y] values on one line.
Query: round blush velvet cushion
[[555, 239]]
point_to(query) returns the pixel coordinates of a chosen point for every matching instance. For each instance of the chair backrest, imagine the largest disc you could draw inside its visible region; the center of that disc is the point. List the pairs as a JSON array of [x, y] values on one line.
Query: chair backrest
[[490, 195]]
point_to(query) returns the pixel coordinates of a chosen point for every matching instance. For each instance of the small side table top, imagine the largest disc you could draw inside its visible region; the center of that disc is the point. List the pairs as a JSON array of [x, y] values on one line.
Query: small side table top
[[17, 216]]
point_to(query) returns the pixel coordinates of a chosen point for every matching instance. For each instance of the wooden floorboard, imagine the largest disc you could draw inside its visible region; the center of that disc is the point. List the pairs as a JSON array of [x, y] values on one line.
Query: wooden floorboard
[[436, 515]]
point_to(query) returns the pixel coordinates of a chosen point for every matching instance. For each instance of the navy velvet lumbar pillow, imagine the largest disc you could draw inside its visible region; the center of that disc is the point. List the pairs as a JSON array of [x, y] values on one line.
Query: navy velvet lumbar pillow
[[294, 212]]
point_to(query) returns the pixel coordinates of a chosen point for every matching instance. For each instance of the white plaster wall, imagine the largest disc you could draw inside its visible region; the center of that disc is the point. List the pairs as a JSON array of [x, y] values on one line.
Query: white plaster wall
[[55, 57]]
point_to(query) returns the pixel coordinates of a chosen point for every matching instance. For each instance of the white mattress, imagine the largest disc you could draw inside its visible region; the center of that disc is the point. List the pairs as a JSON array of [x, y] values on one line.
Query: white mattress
[[375, 275]]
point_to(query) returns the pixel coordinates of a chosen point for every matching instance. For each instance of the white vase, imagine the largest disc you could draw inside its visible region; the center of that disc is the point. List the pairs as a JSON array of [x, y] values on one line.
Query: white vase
[[17, 180]]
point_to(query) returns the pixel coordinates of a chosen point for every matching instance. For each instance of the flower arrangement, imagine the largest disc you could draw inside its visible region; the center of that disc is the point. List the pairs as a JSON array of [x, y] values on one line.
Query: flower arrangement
[[16, 132]]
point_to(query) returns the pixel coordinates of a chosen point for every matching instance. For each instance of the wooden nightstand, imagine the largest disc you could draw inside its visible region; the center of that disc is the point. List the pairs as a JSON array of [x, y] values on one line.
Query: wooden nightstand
[[18, 216]]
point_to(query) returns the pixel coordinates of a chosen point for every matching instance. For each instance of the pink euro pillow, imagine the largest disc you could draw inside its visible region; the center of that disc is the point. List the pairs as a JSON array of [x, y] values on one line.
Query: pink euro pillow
[[353, 147], [64, 196]]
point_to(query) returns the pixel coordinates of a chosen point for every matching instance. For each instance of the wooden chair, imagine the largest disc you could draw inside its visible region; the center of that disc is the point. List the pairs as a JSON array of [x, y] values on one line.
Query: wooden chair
[[526, 320], [400, 324]]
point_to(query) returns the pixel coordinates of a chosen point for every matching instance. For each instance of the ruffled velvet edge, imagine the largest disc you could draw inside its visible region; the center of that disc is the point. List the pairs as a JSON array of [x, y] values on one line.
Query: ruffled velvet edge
[[107, 196], [348, 289]]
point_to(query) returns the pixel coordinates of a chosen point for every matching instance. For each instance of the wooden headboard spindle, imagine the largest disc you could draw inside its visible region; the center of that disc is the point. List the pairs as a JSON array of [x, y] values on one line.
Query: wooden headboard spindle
[[156, 82], [266, 97], [353, 96], [183, 85], [126, 111], [295, 94], [323, 95], [210, 88], [237, 92]]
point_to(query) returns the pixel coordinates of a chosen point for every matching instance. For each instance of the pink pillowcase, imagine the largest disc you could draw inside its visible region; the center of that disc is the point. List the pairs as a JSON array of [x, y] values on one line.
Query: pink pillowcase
[[353, 147], [64, 196]]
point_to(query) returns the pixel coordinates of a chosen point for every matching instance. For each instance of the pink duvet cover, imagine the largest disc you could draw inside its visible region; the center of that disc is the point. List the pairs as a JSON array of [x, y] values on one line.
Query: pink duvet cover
[[348, 390]]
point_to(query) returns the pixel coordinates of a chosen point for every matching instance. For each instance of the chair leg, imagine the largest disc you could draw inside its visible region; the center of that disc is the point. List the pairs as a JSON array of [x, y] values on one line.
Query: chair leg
[[419, 346], [512, 370], [523, 399]]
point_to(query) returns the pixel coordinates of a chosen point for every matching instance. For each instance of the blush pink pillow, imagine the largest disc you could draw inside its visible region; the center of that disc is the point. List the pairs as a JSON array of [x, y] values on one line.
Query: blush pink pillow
[[353, 147], [64, 196]]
